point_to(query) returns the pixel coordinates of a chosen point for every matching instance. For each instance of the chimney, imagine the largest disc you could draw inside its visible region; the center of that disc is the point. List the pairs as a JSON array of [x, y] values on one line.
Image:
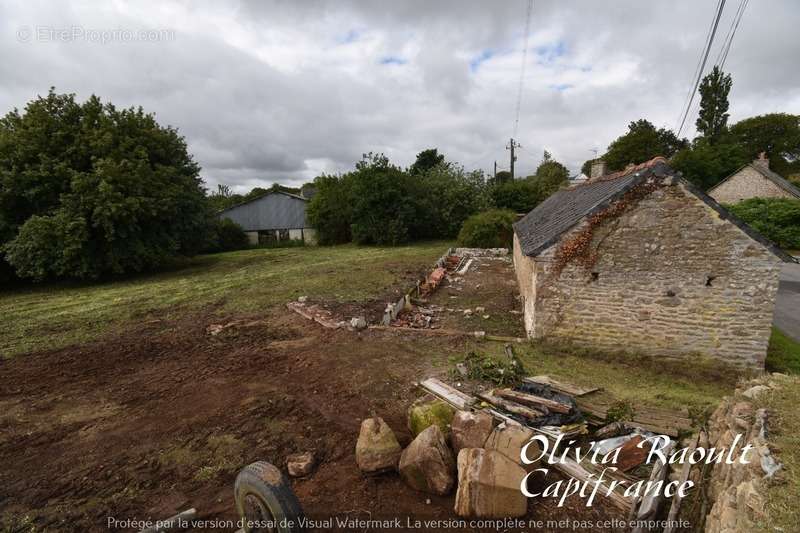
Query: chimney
[[598, 169], [762, 161]]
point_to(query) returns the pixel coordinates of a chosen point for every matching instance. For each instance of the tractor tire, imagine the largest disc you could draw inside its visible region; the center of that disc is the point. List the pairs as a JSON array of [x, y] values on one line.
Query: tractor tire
[[265, 501]]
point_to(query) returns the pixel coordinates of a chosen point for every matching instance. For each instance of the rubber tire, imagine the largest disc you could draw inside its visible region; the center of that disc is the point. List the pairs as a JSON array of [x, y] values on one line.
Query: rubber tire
[[263, 485]]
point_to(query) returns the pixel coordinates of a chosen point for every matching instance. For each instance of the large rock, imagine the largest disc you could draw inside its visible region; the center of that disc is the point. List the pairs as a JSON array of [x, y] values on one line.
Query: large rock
[[427, 464], [509, 439], [377, 448], [424, 413], [469, 430], [489, 485]]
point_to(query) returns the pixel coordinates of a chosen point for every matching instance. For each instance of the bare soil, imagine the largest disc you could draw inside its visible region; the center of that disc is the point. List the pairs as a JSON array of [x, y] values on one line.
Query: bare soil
[[161, 417]]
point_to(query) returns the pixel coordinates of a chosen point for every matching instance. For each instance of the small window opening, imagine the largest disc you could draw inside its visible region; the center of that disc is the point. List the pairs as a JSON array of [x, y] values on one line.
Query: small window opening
[[670, 293], [595, 276], [710, 280]]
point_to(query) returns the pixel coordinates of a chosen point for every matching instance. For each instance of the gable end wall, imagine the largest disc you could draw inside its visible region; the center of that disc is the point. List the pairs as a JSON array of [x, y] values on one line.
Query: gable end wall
[[745, 184]]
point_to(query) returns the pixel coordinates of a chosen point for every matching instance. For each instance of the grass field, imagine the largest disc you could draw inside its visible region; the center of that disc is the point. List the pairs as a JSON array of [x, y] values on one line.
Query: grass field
[[58, 315]]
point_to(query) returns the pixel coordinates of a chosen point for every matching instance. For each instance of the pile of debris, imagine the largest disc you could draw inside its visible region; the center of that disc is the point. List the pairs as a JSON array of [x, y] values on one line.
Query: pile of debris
[[571, 417]]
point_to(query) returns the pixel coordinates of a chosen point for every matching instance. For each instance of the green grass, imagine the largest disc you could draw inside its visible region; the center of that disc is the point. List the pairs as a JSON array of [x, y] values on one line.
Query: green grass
[[634, 382], [783, 354], [58, 315], [782, 511]]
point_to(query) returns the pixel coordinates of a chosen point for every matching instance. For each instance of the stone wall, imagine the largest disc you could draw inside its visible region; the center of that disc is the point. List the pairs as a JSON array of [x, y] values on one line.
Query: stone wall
[[736, 491], [671, 279], [524, 267], [747, 183]]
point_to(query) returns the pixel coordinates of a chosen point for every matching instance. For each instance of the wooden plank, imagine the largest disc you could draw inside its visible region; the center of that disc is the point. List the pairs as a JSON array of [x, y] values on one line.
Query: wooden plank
[[511, 407], [560, 386], [447, 393], [648, 508], [533, 400], [676, 499], [661, 421]]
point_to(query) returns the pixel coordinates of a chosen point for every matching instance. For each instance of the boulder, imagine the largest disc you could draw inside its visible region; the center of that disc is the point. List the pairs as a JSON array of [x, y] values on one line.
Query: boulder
[[508, 439], [469, 430], [300, 464], [489, 485], [424, 413], [377, 448], [358, 323], [427, 464]]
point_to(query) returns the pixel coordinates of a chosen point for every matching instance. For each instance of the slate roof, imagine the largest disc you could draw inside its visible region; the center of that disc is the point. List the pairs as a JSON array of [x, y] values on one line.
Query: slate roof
[[774, 177], [542, 227]]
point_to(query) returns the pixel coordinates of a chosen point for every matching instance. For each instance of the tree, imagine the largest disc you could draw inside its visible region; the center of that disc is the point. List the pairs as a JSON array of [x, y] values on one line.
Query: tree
[[426, 160], [330, 210], [550, 176], [713, 117], [706, 164], [451, 195], [519, 196], [641, 143], [777, 134], [88, 190]]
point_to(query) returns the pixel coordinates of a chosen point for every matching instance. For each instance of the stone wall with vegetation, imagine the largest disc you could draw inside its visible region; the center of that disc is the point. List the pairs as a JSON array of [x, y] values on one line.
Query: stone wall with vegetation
[[736, 493], [747, 183], [665, 276]]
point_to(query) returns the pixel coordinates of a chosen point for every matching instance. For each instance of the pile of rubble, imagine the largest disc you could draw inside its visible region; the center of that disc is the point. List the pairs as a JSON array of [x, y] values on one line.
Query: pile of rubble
[[452, 450], [471, 444]]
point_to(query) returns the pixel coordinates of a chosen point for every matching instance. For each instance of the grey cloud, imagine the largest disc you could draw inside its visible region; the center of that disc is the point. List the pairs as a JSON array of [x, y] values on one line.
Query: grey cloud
[[272, 91]]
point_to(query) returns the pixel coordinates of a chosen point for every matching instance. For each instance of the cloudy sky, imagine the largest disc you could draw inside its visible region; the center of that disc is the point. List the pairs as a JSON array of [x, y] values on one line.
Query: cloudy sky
[[270, 92]]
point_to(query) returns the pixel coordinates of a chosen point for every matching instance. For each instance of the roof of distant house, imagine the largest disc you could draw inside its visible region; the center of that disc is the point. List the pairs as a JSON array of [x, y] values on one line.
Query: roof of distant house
[[774, 177], [260, 196], [543, 226]]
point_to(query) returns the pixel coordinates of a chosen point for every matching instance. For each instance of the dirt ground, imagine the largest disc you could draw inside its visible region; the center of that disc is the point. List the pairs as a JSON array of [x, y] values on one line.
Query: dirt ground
[[488, 293], [161, 418]]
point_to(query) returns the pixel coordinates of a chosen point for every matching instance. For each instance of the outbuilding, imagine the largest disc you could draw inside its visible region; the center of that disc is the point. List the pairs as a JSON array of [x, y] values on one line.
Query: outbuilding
[[274, 216], [642, 261], [754, 180]]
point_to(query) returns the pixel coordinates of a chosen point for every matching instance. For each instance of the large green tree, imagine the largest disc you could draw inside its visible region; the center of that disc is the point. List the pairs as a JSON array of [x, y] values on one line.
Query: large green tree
[[426, 160], [777, 134], [713, 117], [550, 175], [88, 190], [706, 164], [643, 141]]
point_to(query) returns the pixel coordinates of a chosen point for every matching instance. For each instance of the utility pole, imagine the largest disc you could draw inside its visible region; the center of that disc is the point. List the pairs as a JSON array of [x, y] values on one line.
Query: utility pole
[[495, 171], [511, 146]]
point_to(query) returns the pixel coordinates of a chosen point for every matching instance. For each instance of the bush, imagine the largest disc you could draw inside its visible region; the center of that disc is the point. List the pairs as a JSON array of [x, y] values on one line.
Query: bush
[[90, 190], [778, 219], [519, 196], [226, 236], [490, 229]]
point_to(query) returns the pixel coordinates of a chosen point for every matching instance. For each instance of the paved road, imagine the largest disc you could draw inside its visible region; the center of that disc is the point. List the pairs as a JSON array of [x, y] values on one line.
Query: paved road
[[787, 307]]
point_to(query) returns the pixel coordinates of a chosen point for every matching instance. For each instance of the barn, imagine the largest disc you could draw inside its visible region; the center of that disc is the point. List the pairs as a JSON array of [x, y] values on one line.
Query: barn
[[273, 217], [641, 261]]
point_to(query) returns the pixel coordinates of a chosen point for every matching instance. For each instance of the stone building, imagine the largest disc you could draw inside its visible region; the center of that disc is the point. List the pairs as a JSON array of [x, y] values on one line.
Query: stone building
[[642, 261], [754, 180]]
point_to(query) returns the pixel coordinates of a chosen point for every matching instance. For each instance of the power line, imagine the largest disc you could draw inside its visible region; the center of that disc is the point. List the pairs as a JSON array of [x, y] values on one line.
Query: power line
[[696, 71], [715, 24], [726, 44], [522, 68]]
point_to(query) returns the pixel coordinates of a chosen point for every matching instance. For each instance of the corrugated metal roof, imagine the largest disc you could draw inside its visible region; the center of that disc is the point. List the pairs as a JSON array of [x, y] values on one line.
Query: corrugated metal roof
[[271, 211]]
